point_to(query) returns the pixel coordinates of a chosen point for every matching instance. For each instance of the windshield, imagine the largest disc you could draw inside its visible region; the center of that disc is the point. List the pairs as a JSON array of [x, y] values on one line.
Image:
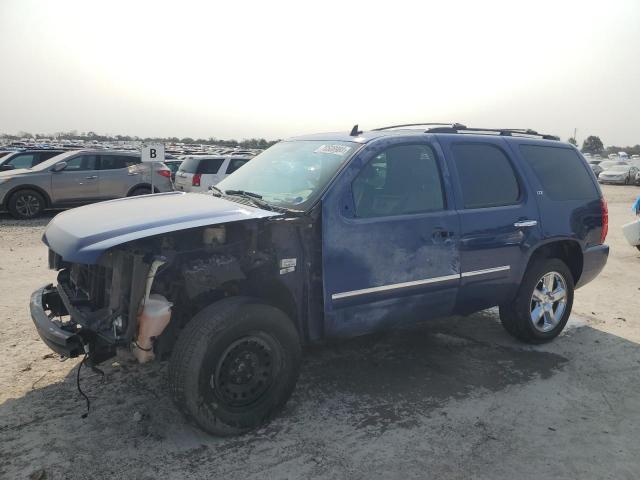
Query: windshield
[[607, 164], [619, 168], [291, 174]]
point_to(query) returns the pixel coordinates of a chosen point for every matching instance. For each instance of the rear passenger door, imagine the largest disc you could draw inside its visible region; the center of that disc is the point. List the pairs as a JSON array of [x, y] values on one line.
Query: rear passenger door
[[498, 219], [115, 177]]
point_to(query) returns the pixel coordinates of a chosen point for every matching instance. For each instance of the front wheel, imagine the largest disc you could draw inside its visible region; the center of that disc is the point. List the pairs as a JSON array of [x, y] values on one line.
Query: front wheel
[[26, 204], [235, 365], [543, 303]]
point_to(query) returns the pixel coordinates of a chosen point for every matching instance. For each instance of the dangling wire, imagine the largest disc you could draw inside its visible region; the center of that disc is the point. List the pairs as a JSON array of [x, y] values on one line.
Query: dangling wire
[[84, 415]]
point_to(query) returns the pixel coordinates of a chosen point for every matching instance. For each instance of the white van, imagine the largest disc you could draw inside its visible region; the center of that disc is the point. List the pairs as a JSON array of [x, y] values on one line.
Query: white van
[[199, 172]]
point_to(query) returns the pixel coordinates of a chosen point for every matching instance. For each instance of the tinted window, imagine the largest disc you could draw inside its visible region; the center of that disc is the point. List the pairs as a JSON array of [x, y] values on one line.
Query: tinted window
[[82, 162], [401, 180], [561, 172], [47, 155], [112, 162], [190, 165], [486, 176], [210, 165], [235, 164], [24, 160]]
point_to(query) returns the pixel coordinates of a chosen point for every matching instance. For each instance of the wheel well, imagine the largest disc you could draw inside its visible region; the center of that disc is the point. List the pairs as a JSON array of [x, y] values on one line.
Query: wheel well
[[566, 250], [45, 195], [278, 295], [142, 185]]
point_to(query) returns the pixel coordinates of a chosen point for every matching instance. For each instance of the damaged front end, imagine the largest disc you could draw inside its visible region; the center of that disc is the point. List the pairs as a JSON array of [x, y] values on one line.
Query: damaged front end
[[93, 308]]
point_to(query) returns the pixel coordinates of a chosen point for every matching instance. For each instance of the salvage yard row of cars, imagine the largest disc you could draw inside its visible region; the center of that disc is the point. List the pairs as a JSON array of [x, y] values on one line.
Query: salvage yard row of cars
[[34, 180], [324, 236], [616, 169]]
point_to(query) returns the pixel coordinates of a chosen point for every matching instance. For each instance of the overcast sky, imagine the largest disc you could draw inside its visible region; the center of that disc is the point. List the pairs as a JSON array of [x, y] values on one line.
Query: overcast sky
[[275, 69]]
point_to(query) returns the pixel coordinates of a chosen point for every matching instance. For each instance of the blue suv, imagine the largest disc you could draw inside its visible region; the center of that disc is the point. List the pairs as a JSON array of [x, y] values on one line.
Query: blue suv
[[323, 236]]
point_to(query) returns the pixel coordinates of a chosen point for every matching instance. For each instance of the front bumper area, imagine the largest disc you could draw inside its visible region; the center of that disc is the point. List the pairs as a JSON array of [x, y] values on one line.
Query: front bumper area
[[59, 337]]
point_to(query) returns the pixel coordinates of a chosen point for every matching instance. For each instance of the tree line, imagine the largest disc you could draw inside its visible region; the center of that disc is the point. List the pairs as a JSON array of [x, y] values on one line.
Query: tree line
[[93, 136], [592, 144]]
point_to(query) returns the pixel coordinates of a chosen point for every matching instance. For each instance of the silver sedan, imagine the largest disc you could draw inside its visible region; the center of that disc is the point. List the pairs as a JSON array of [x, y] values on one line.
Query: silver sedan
[[619, 174]]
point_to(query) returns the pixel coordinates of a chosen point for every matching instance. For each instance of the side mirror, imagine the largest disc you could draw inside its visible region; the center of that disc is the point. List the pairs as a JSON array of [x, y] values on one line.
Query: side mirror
[[58, 167], [6, 167]]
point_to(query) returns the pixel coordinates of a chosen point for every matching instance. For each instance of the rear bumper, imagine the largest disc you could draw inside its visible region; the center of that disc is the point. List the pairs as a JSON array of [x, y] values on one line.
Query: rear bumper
[[59, 337], [593, 261]]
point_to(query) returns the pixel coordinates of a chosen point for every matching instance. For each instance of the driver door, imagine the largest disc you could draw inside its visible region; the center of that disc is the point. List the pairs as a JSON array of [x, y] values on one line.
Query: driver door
[[390, 239], [77, 183]]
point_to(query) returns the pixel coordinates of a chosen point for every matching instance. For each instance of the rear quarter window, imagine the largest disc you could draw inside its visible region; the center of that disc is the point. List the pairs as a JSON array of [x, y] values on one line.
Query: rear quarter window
[[561, 172], [210, 165]]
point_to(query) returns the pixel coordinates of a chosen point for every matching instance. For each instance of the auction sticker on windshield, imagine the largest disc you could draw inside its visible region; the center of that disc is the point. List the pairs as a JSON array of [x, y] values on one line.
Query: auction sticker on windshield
[[333, 149]]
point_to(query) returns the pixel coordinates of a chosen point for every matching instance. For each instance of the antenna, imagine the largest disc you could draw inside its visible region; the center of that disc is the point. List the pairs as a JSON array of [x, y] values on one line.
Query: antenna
[[354, 131]]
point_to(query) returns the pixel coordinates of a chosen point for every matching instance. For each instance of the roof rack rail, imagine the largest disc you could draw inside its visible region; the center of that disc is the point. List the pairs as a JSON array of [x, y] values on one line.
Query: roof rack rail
[[509, 132], [425, 124], [444, 127]]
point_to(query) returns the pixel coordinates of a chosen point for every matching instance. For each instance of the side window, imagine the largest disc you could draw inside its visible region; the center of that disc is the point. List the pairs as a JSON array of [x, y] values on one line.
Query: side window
[[111, 162], [561, 172], [401, 180], [26, 160], [235, 164], [210, 165], [81, 162], [486, 176], [47, 155], [130, 161]]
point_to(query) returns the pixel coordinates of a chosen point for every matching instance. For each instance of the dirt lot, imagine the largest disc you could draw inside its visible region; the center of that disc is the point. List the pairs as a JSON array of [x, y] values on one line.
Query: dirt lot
[[456, 398]]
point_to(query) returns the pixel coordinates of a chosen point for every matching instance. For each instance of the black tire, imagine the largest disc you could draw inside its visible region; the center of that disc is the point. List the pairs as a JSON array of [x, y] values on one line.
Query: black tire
[[140, 191], [235, 365], [638, 247], [26, 204], [516, 316]]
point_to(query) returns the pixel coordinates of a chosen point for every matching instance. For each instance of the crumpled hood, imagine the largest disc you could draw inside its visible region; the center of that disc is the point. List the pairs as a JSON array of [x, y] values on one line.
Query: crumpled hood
[[82, 234]]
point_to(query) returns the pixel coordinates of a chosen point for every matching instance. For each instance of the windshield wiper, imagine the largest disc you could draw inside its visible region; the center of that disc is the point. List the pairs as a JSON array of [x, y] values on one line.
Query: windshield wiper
[[256, 198], [218, 191], [243, 193]]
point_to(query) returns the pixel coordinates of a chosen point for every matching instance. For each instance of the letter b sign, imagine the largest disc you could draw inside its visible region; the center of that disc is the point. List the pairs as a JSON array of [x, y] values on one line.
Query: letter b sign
[[153, 153]]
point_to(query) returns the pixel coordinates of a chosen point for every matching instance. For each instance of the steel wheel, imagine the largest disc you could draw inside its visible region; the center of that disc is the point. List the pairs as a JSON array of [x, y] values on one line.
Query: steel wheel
[[245, 370], [28, 205], [548, 302]]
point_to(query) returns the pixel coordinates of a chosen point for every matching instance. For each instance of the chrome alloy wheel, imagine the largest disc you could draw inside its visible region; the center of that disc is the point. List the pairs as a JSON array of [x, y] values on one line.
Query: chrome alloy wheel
[[548, 302], [27, 205]]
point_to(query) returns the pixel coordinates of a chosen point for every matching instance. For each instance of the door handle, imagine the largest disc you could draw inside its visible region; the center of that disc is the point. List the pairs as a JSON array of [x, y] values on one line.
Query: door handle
[[442, 236], [91, 177], [133, 173], [526, 223]]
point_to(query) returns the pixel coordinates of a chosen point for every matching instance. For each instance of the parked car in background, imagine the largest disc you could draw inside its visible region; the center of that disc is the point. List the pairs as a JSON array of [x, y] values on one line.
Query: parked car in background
[[595, 166], [173, 164], [621, 173], [26, 158], [324, 236], [76, 178], [199, 173]]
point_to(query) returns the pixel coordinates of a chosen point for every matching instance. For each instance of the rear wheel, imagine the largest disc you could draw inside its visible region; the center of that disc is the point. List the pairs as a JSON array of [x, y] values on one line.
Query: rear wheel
[[543, 303], [26, 204], [140, 191], [235, 365]]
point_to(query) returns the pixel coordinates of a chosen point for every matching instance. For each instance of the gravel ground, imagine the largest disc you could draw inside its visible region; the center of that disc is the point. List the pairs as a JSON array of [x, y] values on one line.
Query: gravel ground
[[454, 398]]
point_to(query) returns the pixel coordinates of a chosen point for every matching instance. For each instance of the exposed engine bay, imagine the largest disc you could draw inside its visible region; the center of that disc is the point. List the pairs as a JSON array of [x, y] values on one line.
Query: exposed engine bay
[[102, 304]]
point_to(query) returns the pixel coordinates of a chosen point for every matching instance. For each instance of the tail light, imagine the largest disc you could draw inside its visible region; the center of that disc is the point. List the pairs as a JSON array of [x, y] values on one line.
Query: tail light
[[164, 173], [605, 220], [195, 181]]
